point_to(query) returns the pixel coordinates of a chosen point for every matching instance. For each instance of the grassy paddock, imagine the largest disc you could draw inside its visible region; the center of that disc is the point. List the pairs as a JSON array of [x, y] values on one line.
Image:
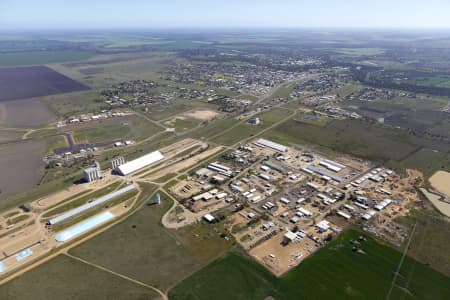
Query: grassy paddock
[[66, 278], [378, 143], [141, 248], [334, 272], [244, 131]]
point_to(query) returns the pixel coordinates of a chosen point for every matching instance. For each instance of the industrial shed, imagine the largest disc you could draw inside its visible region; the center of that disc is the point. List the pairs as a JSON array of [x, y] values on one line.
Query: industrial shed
[[139, 163], [87, 206], [270, 144], [84, 226]]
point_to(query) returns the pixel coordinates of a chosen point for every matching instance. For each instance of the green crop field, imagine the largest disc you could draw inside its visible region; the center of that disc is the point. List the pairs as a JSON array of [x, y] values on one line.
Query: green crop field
[[66, 278], [41, 57], [334, 272], [141, 248]]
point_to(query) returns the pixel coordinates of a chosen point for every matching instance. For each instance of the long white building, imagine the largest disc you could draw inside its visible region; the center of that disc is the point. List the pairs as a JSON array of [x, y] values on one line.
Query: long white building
[[87, 206], [139, 163], [270, 144]]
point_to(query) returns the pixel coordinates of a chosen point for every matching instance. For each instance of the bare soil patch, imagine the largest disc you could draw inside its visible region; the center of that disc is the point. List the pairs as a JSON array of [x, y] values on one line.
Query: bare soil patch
[[28, 82], [203, 115], [21, 166], [8, 135], [24, 113]]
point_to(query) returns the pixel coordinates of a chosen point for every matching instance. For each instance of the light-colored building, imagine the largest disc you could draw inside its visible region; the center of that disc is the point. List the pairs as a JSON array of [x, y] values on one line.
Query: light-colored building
[[266, 143], [140, 163], [209, 218], [255, 121], [117, 162], [93, 173]]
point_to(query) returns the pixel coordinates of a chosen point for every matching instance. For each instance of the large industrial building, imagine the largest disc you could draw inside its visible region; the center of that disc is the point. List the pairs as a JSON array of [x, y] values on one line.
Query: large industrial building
[[92, 173], [266, 143], [84, 226], [87, 206], [117, 162], [139, 163]]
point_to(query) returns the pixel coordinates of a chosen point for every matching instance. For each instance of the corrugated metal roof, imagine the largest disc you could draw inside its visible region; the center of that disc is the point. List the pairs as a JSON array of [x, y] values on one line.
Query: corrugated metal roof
[[140, 163], [92, 204], [272, 145], [84, 226], [2, 267]]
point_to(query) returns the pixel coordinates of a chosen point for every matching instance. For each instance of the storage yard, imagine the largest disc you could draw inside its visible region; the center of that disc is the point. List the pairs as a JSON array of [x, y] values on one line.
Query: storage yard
[[281, 204], [49, 222]]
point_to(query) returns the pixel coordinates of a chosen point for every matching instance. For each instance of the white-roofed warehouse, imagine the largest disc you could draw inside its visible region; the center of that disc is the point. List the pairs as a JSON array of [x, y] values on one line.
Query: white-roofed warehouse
[[272, 145], [87, 206], [139, 163]]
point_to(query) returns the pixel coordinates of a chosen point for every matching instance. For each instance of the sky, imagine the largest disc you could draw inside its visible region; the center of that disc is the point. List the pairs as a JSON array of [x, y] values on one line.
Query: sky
[[131, 14]]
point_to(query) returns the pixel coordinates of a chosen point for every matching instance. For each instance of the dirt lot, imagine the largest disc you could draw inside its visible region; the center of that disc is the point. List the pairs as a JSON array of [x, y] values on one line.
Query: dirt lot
[[441, 182], [28, 82], [24, 113], [279, 258], [203, 115], [22, 167]]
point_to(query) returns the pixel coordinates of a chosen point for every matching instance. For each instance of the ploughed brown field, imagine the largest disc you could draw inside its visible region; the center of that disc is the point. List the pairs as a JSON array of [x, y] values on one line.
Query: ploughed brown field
[[27, 112], [22, 167], [36, 81]]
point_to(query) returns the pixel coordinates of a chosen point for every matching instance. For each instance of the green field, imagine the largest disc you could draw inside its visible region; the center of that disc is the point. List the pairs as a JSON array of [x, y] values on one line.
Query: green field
[[428, 161], [427, 244], [75, 103], [214, 128], [246, 130], [334, 272], [370, 141], [141, 248], [135, 128], [56, 141], [433, 80], [41, 57], [66, 278]]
